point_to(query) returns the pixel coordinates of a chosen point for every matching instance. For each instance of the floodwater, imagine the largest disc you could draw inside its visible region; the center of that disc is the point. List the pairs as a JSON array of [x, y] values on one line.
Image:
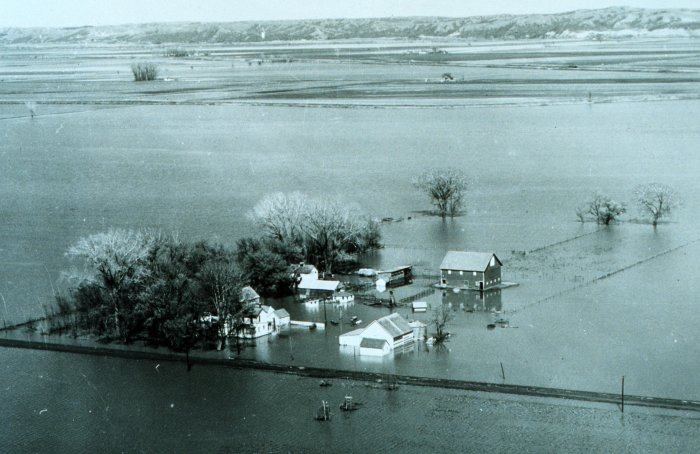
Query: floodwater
[[58, 402], [198, 170]]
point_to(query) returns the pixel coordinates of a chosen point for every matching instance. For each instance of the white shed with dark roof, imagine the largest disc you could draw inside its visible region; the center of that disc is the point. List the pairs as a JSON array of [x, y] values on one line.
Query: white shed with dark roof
[[473, 270], [392, 329]]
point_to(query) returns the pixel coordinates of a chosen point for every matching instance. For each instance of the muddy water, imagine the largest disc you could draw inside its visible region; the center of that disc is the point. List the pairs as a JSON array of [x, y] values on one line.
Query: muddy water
[[198, 170]]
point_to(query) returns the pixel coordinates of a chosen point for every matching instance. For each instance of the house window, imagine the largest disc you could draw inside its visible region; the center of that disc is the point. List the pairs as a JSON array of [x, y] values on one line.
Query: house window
[[449, 271], [473, 273], [461, 272]]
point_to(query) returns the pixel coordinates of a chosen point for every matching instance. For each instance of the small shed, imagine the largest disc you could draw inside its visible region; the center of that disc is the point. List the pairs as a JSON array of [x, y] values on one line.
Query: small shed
[[282, 317], [471, 270], [419, 306]]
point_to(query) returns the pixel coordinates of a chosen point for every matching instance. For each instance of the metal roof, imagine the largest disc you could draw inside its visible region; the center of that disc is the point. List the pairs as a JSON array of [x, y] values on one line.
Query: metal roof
[[395, 325], [467, 261], [282, 313], [355, 332], [330, 286]]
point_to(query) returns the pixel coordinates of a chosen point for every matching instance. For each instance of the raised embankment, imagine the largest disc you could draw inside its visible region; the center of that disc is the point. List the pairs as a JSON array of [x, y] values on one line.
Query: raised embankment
[[587, 396]]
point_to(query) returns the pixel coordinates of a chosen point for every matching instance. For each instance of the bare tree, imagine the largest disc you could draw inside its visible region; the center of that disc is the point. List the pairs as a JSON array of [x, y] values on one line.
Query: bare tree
[[281, 215], [221, 286], [602, 208], [321, 231], [445, 187], [441, 317], [656, 201], [116, 261], [331, 232]]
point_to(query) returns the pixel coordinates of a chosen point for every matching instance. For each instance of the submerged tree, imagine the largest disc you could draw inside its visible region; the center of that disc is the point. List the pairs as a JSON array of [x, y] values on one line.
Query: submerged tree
[[221, 287], [445, 187], [656, 201], [602, 209], [116, 267], [299, 228], [281, 216], [154, 287], [262, 267], [332, 233], [441, 317]]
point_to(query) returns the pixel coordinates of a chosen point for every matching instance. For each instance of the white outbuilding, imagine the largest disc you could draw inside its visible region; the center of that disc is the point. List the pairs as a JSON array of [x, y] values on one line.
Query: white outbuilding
[[379, 337]]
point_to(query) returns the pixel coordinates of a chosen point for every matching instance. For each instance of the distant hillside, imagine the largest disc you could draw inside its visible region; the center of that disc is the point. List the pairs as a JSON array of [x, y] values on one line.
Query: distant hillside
[[601, 23]]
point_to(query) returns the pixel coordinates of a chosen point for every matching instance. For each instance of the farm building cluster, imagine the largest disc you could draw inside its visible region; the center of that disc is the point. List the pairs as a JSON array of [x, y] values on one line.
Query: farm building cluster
[[479, 272]]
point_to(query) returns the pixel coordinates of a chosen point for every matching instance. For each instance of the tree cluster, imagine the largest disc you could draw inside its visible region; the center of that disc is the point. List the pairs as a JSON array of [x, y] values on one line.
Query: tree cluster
[[137, 285], [654, 201], [601, 209], [297, 228], [445, 188]]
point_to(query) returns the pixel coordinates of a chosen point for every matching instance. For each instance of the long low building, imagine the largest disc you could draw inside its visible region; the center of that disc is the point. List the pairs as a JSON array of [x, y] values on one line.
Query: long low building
[[379, 337]]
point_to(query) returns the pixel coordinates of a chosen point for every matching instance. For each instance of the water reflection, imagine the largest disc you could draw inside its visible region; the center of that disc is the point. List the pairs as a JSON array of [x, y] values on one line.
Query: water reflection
[[474, 301]]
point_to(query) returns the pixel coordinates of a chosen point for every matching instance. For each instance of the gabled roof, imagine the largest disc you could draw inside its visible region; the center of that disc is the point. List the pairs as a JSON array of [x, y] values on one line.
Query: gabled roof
[[355, 332], [282, 313], [330, 286], [395, 325], [248, 295], [467, 261], [306, 269], [368, 342]]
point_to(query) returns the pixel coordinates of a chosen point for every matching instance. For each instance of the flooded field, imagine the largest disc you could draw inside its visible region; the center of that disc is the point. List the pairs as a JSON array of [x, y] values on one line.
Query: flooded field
[[195, 152], [75, 403]]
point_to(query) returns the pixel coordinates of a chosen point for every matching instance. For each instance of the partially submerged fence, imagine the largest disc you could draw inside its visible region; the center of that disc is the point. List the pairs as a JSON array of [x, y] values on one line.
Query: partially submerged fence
[[604, 276]]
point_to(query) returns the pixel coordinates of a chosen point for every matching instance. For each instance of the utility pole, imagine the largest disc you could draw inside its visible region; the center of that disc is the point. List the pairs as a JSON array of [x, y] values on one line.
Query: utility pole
[[325, 314], [623, 394]]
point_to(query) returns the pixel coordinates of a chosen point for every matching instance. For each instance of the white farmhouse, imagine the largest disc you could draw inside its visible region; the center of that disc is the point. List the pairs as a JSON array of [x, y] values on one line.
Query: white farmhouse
[[261, 320]]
